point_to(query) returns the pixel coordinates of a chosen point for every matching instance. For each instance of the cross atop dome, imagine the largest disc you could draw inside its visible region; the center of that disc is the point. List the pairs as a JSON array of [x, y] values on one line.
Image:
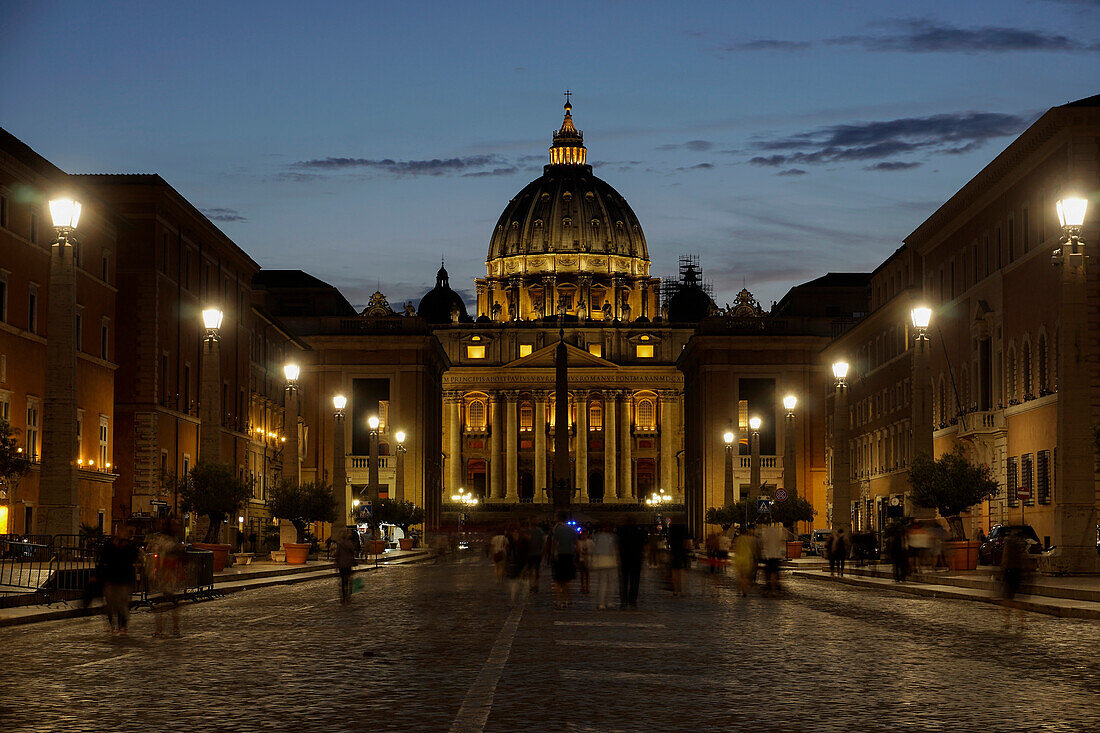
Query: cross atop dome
[[568, 147]]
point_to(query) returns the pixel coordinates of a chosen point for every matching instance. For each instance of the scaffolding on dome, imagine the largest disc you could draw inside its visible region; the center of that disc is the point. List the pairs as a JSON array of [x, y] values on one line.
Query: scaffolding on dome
[[690, 273]]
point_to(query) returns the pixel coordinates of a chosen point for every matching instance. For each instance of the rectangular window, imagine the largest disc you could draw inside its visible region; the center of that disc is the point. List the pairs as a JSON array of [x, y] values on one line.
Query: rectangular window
[[644, 351], [34, 228], [1042, 465], [1013, 481], [186, 389], [988, 261], [104, 340], [4, 211], [78, 254], [79, 328], [1026, 226], [1011, 240], [185, 272], [164, 379], [5, 407], [475, 352], [1000, 257], [31, 431], [32, 309], [104, 437], [525, 350], [164, 254], [596, 350], [1027, 478], [80, 433], [186, 463], [4, 296], [104, 268]]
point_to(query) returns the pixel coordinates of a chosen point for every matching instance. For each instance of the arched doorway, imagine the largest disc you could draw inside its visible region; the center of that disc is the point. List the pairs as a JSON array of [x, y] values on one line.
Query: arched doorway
[[595, 487], [647, 476], [475, 477], [526, 487]]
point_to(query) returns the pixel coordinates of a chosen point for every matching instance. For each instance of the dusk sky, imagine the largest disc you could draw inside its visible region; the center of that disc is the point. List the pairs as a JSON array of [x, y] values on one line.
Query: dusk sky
[[360, 141]]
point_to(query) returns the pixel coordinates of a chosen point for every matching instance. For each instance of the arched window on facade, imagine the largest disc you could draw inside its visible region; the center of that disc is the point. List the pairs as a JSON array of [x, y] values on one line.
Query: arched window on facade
[[646, 418], [595, 416], [475, 415], [1041, 364], [1025, 359], [526, 417]]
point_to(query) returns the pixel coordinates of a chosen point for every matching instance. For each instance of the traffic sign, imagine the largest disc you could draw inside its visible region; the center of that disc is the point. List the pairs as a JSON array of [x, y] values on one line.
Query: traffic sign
[[780, 494], [764, 505], [1023, 493]]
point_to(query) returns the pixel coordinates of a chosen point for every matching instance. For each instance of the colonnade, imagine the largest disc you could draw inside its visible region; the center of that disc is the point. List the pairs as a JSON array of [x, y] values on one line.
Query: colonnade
[[618, 434]]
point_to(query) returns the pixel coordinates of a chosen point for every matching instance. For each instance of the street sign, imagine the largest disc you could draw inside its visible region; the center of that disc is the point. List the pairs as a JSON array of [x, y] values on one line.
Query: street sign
[[1023, 493], [154, 502], [780, 494], [764, 505]]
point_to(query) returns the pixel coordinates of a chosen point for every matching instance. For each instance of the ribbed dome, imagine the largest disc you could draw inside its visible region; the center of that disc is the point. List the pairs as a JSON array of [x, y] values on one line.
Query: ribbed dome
[[567, 209], [441, 304]]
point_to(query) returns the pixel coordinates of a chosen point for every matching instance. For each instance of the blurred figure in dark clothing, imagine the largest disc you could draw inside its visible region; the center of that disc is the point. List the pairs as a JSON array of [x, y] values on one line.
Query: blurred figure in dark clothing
[[343, 554], [632, 542], [1015, 566], [116, 572], [899, 554], [517, 554], [679, 552]]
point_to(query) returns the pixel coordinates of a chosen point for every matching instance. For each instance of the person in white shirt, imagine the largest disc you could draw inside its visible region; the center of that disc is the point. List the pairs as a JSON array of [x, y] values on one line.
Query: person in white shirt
[[603, 562], [773, 550]]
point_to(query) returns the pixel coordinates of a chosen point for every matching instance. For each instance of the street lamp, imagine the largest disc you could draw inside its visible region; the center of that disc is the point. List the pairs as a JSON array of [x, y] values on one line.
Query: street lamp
[[210, 393], [754, 456], [921, 405], [790, 465], [840, 371], [59, 500], [840, 478], [372, 468], [290, 424], [212, 321], [727, 439], [339, 463], [921, 317], [291, 372], [399, 478]]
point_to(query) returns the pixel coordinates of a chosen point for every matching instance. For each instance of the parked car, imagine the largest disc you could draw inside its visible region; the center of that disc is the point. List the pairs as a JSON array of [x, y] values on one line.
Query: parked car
[[805, 540], [819, 541], [989, 552]]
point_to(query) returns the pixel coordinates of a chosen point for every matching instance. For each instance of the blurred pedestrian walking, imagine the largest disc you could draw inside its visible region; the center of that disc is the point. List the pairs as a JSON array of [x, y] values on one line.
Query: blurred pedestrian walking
[[498, 553], [584, 558], [839, 547], [165, 563], [1016, 565], [899, 553], [744, 559], [536, 550], [518, 550], [679, 555], [604, 561], [564, 552], [632, 542], [773, 550], [117, 573], [344, 554]]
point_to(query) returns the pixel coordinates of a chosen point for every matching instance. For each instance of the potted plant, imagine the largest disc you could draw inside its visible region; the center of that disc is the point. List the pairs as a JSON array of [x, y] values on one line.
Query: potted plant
[[301, 505], [788, 513], [214, 491], [13, 463], [400, 513], [952, 484]]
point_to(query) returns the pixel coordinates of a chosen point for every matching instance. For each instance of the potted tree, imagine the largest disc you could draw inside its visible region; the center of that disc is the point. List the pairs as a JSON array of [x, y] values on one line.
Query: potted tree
[[13, 463], [214, 491], [301, 505], [400, 513], [952, 484], [725, 517], [788, 513]]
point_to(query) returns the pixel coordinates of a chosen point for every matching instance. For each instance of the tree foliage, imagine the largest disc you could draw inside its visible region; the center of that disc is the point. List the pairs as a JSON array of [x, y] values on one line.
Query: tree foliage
[[215, 491], [745, 511], [951, 484], [795, 509], [303, 504], [404, 514], [13, 464]]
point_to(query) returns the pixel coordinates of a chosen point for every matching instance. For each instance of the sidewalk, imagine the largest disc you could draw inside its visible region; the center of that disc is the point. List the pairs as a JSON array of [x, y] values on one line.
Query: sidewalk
[[1071, 597], [260, 574]]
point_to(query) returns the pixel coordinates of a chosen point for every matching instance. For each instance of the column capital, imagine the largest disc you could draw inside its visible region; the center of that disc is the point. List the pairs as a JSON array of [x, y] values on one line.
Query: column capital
[[669, 394], [512, 395], [541, 395], [549, 280], [452, 395]]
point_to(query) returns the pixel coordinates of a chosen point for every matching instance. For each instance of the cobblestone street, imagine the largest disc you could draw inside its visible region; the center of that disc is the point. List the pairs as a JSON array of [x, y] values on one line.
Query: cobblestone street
[[438, 647]]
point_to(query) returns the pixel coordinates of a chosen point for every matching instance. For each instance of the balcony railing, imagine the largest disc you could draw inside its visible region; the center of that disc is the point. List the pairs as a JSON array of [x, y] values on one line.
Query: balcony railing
[[364, 461], [765, 461]]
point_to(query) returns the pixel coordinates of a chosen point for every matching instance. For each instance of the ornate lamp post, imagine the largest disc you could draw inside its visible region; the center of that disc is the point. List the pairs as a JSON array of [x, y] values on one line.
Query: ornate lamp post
[[790, 464], [400, 477], [339, 463], [729, 495], [58, 498], [921, 404], [372, 468], [754, 460], [841, 479], [210, 394], [1075, 510], [290, 425]]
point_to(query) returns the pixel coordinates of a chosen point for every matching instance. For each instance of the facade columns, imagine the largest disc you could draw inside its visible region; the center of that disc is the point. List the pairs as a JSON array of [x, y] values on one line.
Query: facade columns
[[454, 442], [581, 450], [668, 407], [610, 446], [549, 295], [511, 438], [626, 463], [496, 448], [540, 447]]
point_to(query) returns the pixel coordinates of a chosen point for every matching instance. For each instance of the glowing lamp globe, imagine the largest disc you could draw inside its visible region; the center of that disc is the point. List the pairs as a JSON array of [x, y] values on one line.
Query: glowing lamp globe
[[65, 213], [754, 423], [840, 369], [400, 435], [339, 402], [291, 371], [1071, 211], [212, 319], [728, 437], [790, 402], [372, 422], [921, 316]]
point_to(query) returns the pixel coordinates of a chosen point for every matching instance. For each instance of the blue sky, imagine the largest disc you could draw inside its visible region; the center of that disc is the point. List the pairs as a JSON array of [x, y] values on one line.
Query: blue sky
[[776, 140]]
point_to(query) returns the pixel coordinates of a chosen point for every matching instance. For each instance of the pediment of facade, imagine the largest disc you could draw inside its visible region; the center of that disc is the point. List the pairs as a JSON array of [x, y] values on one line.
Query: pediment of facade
[[545, 357]]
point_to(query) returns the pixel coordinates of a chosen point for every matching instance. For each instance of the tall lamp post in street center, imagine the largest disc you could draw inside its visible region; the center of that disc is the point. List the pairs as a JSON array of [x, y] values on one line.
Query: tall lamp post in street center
[[372, 468], [790, 465], [754, 460], [921, 402], [728, 495], [291, 470], [1075, 492], [210, 394], [59, 502], [399, 478], [840, 478], [339, 463]]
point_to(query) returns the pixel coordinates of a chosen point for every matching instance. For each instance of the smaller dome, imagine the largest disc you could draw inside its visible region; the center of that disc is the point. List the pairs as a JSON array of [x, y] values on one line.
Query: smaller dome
[[690, 303], [441, 304]]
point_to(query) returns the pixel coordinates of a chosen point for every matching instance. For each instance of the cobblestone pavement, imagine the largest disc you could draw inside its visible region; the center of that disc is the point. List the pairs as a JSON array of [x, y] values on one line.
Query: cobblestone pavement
[[438, 647]]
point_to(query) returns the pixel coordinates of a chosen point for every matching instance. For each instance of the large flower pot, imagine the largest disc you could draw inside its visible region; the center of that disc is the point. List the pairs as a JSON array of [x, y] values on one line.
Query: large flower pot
[[376, 547], [961, 555], [406, 543], [296, 553], [794, 550], [221, 553]]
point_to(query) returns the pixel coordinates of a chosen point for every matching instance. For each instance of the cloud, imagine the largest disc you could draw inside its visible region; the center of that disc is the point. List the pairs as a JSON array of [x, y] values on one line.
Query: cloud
[[928, 36], [227, 215], [945, 133], [433, 167], [767, 44], [696, 145], [892, 165], [494, 172], [792, 172]]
